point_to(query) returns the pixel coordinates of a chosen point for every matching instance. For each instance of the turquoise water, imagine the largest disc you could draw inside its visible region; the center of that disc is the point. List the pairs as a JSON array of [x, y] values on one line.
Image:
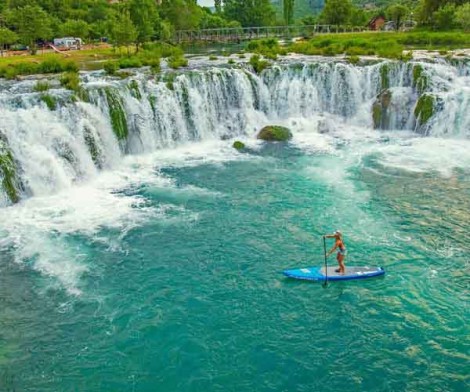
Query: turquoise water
[[183, 290]]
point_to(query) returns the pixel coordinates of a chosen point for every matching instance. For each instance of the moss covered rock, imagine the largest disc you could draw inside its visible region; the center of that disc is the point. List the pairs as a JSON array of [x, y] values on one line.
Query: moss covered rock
[[275, 133], [238, 145], [384, 76], [380, 110], [420, 79], [117, 113], [425, 108], [8, 172]]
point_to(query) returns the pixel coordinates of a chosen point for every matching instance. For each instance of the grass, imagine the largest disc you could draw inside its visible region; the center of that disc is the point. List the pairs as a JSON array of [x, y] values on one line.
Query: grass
[[41, 86], [90, 59], [382, 44]]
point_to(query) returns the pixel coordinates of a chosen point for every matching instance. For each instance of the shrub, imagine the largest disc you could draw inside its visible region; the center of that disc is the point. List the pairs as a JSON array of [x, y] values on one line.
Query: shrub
[[71, 81], [110, 67], [130, 62], [258, 64], [176, 62]]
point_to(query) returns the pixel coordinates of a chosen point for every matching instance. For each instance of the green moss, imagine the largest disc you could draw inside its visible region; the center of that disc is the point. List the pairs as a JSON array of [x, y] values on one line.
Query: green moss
[[50, 101], [169, 79], [212, 58], [377, 115], [231, 61], [134, 89], [117, 114], [238, 145], [424, 109], [420, 80], [83, 94], [8, 172], [275, 133], [385, 80], [93, 148], [153, 102]]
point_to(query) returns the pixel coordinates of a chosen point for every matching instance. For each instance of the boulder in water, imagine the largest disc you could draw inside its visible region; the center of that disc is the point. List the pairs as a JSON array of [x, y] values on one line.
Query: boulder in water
[[275, 133], [238, 145]]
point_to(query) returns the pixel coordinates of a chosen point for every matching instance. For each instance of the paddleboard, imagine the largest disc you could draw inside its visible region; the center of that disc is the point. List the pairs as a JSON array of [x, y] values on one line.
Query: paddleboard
[[318, 273]]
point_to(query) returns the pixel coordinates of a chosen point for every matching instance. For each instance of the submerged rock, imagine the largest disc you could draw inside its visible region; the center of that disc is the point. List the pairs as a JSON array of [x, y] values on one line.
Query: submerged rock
[[275, 133]]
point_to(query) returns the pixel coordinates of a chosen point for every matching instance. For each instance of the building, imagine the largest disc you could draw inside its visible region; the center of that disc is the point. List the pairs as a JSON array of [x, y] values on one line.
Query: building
[[376, 23]]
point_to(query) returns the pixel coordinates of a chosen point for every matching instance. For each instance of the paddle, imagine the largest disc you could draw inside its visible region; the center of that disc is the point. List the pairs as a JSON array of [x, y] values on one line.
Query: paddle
[[325, 284]]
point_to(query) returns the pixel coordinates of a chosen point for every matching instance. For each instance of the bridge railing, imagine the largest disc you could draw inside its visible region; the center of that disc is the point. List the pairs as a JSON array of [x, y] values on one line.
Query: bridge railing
[[248, 33]]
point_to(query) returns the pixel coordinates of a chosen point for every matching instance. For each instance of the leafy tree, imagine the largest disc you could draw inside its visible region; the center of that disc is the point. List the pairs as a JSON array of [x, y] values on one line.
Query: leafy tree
[[32, 24], [336, 12], [75, 28], [288, 11], [462, 16], [123, 31], [7, 37], [309, 20], [144, 15], [444, 17], [250, 12], [396, 13], [359, 17], [182, 14]]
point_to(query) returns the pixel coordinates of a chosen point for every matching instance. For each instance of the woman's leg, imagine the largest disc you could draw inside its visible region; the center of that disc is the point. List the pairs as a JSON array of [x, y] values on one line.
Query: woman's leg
[[342, 268]]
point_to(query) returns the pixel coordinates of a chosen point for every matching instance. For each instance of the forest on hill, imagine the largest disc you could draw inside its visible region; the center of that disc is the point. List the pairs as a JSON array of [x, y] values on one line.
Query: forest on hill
[[28, 22]]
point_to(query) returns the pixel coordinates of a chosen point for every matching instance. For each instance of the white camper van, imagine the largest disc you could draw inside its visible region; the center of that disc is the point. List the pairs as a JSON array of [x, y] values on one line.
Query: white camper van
[[68, 43]]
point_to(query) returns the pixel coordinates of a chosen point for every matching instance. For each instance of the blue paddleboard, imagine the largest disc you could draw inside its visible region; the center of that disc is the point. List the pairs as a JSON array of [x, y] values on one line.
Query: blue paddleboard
[[318, 273]]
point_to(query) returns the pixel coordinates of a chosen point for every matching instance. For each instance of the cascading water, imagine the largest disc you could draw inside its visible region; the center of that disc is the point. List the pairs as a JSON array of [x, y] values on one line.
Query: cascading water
[[139, 250], [53, 149]]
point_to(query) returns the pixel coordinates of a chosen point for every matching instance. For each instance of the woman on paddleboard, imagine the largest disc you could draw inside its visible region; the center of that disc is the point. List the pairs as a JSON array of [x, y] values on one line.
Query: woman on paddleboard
[[341, 249]]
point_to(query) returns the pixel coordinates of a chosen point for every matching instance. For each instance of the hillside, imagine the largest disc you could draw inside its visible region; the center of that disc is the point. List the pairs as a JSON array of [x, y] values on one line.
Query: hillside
[[305, 7]]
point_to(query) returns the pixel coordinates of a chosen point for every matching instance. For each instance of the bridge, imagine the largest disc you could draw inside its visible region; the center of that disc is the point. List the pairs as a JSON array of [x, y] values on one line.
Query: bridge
[[238, 34]]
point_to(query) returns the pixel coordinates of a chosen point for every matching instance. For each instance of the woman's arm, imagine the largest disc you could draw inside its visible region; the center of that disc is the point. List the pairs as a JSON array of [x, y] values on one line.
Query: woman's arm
[[332, 250]]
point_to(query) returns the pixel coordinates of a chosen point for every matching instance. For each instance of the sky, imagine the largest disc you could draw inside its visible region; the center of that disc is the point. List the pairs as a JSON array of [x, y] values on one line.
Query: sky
[[207, 3]]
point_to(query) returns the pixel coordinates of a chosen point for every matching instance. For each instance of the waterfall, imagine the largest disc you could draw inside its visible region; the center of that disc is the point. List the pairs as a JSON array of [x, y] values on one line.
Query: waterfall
[[51, 141]]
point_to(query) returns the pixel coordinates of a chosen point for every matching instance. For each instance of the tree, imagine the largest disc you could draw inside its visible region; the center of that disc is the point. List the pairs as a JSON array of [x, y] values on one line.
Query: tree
[[288, 11], [250, 12], [462, 16], [396, 13], [337, 12], [444, 17], [7, 37], [182, 14], [218, 6], [144, 15], [123, 31], [75, 28], [32, 24]]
